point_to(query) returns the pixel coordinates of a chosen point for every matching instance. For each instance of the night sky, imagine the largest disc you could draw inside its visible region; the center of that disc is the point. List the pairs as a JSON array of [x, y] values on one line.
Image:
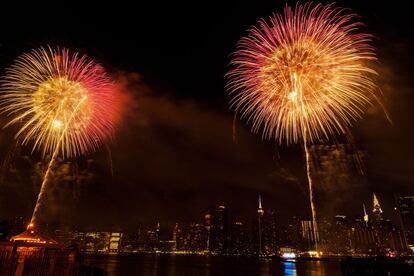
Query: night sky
[[173, 157]]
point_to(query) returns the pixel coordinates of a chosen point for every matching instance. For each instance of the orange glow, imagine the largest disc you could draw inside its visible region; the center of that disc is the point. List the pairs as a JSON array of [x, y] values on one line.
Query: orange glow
[[303, 74]]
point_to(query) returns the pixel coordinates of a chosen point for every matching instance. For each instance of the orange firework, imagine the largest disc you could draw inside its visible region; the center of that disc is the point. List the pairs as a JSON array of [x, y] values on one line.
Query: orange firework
[[62, 101], [303, 74]]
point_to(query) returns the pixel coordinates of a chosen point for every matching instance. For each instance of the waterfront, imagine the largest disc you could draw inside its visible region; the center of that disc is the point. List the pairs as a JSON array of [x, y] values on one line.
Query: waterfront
[[152, 264]]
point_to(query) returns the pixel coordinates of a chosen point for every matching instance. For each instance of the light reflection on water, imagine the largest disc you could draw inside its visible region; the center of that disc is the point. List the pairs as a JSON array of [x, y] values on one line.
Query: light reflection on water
[[290, 268], [174, 265]]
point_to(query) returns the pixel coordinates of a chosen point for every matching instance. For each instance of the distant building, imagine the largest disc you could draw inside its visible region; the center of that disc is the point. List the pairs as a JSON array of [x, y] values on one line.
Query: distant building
[[405, 206], [176, 234], [290, 234], [260, 214], [208, 224], [152, 240], [239, 239], [339, 236], [375, 235], [265, 233], [166, 246], [96, 242], [222, 230], [114, 242], [197, 238], [270, 233], [376, 211], [132, 240], [363, 238]]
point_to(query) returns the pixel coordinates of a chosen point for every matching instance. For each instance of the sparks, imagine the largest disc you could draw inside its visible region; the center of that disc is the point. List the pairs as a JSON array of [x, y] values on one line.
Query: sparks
[[41, 92], [303, 70]]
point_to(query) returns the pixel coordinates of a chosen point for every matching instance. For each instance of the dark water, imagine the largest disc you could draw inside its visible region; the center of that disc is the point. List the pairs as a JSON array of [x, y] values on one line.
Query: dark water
[[176, 265]]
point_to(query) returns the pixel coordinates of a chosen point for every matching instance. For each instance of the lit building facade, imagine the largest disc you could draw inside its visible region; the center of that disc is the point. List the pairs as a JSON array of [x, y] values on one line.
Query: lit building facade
[[222, 230], [405, 207]]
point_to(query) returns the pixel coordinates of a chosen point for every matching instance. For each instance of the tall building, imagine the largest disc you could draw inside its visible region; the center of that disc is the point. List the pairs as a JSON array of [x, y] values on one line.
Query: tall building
[[114, 242], [222, 231], [405, 207], [260, 214], [176, 233], [290, 233], [131, 241], [377, 235], [96, 242], [152, 239], [239, 239], [270, 233], [376, 211], [340, 239], [208, 225], [363, 239], [197, 238]]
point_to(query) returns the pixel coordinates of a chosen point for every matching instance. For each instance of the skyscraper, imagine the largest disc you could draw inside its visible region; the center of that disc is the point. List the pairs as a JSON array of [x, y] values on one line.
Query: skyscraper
[[376, 211], [176, 233], [239, 239], [260, 213], [114, 242], [405, 205], [222, 231], [339, 240], [208, 226], [198, 237], [269, 233]]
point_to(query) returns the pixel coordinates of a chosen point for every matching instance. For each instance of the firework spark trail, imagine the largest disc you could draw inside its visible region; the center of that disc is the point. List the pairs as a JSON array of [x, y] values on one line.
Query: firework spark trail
[[311, 199], [111, 163], [302, 76], [51, 163], [234, 128]]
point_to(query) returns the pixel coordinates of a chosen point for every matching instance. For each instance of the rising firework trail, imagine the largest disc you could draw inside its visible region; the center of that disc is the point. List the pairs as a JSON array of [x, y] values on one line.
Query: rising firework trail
[[302, 76], [63, 103]]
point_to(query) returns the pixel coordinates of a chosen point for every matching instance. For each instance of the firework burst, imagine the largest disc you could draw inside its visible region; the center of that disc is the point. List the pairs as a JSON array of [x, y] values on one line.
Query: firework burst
[[303, 74], [61, 101]]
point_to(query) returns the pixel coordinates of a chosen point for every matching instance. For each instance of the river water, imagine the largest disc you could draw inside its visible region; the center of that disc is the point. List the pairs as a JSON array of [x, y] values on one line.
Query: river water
[[177, 265]]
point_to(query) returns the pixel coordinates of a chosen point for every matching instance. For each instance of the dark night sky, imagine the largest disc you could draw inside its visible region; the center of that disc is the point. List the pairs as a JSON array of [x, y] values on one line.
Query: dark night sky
[[173, 155]]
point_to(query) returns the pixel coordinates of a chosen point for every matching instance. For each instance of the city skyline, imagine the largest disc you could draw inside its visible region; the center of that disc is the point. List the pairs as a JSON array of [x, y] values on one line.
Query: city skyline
[[217, 232], [176, 145], [366, 213]]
